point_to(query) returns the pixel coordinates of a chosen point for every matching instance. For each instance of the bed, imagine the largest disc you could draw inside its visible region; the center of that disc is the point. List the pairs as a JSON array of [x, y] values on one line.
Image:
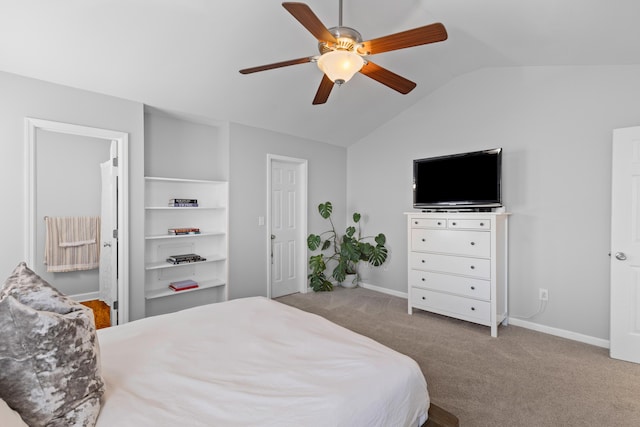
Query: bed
[[245, 362], [254, 362]]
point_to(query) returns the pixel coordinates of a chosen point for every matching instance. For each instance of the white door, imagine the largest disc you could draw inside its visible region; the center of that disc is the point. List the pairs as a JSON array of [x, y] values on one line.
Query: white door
[[625, 246], [108, 273], [288, 226]]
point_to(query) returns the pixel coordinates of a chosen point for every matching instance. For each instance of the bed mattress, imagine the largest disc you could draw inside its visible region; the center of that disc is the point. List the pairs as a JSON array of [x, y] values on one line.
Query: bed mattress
[[254, 362]]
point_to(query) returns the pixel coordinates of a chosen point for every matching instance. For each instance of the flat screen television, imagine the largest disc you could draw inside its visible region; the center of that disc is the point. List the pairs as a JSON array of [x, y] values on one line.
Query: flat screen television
[[458, 181]]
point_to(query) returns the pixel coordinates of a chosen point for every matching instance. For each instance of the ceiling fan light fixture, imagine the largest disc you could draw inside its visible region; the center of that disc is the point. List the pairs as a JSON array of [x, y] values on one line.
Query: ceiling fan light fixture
[[340, 65]]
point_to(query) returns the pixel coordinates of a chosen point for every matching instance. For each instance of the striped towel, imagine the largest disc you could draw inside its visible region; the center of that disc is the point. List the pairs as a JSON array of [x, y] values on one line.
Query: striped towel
[[72, 243]]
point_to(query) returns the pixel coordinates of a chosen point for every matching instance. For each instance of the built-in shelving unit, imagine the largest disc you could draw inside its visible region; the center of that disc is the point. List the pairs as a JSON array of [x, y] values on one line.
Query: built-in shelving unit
[[211, 217]]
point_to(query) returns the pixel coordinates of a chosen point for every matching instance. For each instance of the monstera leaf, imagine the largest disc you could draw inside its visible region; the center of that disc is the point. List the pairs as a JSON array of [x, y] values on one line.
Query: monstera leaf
[[319, 283], [317, 264], [340, 272], [350, 249], [378, 255], [325, 209], [313, 242], [350, 231]]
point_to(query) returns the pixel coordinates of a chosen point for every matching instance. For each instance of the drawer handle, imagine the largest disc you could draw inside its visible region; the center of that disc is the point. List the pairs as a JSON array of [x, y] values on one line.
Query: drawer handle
[[416, 222], [424, 298], [423, 261], [453, 223], [439, 223], [482, 224], [424, 240], [473, 243], [473, 267], [473, 288], [473, 309], [424, 280]]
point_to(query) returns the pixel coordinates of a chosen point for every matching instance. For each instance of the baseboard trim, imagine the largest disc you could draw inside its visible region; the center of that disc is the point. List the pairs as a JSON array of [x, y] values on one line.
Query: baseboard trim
[[598, 342], [85, 297], [384, 290]]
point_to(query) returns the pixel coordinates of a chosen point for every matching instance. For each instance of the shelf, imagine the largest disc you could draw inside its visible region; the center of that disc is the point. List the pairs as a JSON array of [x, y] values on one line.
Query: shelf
[[182, 236], [165, 264], [188, 181], [182, 208], [159, 293]]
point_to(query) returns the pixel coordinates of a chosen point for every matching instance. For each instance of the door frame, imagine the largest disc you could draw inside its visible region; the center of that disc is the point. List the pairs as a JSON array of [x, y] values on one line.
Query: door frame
[[302, 214], [32, 125]]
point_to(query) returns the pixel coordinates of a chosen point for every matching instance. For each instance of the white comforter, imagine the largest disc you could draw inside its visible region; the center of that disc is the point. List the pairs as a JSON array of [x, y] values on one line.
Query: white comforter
[[254, 362]]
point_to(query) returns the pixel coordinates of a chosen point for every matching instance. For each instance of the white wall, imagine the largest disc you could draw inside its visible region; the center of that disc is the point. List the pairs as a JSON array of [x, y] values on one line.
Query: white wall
[[24, 97], [248, 197], [71, 188], [177, 148], [555, 125]]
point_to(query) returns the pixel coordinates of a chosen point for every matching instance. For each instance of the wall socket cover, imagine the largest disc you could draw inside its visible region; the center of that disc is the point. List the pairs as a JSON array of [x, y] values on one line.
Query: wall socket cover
[[543, 295]]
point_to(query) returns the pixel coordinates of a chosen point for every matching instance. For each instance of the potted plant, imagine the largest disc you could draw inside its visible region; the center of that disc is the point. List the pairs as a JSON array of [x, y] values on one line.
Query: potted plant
[[344, 252]]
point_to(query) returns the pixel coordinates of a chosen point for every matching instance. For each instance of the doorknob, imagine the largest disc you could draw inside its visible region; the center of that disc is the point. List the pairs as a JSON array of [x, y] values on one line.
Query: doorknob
[[273, 236], [620, 256]]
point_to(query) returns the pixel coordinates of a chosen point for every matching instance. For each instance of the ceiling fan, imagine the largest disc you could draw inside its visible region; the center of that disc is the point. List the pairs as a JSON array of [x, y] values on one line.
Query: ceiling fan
[[343, 53]]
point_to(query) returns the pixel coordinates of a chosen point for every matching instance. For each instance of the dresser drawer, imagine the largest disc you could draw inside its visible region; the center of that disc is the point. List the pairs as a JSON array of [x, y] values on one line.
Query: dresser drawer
[[474, 267], [451, 304], [464, 286], [469, 243], [470, 224], [428, 223]]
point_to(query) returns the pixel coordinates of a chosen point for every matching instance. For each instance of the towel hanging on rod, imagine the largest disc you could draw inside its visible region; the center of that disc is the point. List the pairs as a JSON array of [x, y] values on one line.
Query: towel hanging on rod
[[72, 243]]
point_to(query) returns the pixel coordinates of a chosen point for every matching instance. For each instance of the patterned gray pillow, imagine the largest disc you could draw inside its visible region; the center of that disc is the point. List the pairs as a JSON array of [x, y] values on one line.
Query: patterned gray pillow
[[49, 354]]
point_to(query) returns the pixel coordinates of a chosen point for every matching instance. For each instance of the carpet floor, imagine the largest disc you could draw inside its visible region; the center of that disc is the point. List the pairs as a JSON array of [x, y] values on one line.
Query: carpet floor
[[522, 378]]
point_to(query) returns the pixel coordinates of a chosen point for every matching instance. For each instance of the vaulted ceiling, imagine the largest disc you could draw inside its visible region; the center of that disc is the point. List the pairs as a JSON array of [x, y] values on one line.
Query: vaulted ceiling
[[184, 55]]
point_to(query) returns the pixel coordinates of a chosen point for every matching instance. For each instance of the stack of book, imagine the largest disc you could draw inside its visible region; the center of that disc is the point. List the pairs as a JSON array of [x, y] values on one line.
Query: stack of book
[[184, 258], [183, 285], [183, 203], [183, 230]]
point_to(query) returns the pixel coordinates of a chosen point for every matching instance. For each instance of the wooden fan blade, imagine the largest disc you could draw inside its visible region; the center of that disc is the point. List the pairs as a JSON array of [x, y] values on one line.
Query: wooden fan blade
[[276, 65], [323, 91], [387, 78], [310, 21], [418, 36]]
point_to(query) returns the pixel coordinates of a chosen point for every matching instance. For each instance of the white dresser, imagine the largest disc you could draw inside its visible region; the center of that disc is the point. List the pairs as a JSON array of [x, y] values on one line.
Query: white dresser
[[458, 265]]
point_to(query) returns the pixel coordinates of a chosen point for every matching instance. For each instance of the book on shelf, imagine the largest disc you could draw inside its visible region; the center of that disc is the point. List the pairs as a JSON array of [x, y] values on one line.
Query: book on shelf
[[184, 258], [183, 200], [185, 261], [183, 230], [183, 285], [183, 205]]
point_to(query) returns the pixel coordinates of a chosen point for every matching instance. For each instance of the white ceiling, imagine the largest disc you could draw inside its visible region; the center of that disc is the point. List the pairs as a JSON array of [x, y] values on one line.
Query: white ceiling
[[184, 55]]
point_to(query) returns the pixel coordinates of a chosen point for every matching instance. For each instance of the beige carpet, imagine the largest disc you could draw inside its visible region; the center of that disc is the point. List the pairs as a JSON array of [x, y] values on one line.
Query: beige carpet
[[521, 378]]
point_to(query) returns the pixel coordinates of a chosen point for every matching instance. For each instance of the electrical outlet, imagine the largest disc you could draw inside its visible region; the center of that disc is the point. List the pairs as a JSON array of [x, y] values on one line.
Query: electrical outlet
[[543, 295]]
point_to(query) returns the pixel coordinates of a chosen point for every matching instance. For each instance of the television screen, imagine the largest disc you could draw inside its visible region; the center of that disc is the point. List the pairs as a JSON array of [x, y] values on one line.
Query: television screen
[[458, 180]]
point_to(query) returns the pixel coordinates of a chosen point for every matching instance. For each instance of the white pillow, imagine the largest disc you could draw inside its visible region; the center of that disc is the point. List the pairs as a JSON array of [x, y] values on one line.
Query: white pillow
[[9, 417]]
